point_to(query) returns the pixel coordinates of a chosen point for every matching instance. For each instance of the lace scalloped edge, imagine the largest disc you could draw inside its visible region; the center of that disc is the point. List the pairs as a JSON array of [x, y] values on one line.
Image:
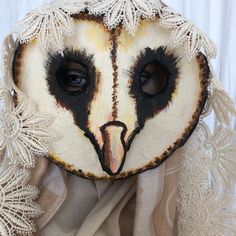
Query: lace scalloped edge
[[193, 40]]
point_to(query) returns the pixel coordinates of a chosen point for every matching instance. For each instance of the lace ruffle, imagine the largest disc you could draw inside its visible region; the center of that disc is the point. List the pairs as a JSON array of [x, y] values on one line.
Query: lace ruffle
[[48, 24], [17, 203], [51, 22], [205, 191], [23, 134], [220, 103], [186, 34], [128, 12]]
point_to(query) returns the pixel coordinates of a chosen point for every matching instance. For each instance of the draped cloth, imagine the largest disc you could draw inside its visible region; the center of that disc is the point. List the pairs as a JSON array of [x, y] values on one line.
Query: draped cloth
[[140, 205]]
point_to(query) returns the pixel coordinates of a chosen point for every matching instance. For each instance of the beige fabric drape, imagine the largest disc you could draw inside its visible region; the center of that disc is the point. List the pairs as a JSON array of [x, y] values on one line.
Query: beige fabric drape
[[142, 205]]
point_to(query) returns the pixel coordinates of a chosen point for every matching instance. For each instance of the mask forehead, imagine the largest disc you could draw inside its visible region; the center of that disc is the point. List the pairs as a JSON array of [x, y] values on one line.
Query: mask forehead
[[114, 53]]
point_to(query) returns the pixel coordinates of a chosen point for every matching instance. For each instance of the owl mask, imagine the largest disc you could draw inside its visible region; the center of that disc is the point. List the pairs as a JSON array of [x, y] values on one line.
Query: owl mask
[[117, 86], [122, 101]]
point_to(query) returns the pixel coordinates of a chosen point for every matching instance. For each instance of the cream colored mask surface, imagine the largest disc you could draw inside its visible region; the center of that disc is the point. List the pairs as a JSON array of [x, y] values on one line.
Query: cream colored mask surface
[[121, 103]]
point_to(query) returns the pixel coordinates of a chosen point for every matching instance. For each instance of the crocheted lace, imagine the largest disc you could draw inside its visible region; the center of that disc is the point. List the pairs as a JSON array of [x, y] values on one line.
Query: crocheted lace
[[126, 11], [207, 173], [186, 34], [48, 24], [23, 135], [52, 22], [17, 205]]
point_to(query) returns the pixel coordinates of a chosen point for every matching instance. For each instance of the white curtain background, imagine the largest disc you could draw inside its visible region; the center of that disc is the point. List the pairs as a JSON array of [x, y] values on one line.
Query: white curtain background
[[216, 17]]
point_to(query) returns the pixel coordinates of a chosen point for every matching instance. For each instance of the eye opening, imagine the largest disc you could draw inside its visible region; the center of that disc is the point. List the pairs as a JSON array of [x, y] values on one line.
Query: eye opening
[[156, 63], [153, 78], [73, 77], [76, 63]]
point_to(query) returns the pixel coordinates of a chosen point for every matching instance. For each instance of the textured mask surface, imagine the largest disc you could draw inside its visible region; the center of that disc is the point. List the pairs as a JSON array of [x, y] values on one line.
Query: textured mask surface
[[122, 103]]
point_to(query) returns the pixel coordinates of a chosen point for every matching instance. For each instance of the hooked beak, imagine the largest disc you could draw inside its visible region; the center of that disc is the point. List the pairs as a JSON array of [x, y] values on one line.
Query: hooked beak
[[114, 147]]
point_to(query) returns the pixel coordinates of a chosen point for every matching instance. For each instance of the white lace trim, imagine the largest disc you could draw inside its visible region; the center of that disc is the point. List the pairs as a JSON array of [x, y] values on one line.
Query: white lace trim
[[17, 205], [219, 102], [23, 134], [128, 12], [207, 175], [51, 22], [186, 33]]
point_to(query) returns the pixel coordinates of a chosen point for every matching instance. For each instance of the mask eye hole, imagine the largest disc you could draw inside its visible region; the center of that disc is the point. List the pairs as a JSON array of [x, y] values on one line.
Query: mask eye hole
[[153, 78], [73, 77]]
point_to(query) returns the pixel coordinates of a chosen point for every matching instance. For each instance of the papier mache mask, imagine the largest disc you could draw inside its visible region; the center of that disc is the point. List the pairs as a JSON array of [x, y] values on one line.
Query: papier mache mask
[[123, 103], [106, 90]]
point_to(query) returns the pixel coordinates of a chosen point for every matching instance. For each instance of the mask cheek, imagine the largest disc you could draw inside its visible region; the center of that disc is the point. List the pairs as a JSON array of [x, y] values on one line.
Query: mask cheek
[[127, 107]]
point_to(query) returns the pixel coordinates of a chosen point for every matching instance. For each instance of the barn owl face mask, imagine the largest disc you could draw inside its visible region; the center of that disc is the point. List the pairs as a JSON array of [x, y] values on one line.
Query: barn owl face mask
[[122, 103], [125, 89]]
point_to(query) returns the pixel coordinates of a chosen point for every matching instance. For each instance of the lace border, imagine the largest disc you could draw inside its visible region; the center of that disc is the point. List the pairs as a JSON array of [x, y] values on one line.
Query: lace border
[[23, 135], [205, 202], [50, 23]]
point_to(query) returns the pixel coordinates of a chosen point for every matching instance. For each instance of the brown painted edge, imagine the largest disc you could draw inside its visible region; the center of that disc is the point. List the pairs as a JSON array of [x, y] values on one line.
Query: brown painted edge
[[204, 77]]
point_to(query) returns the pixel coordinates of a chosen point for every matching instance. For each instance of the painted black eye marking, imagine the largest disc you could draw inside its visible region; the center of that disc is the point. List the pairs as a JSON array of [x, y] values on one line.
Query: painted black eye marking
[[153, 78], [73, 71], [73, 77]]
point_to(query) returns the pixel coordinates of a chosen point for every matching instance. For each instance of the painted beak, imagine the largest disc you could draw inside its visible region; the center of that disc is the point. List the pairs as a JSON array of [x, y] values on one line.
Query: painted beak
[[114, 147]]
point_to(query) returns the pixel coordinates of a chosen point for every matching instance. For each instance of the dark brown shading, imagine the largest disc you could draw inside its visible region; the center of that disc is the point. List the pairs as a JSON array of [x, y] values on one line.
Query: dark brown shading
[[148, 106], [113, 56], [17, 63], [78, 103]]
